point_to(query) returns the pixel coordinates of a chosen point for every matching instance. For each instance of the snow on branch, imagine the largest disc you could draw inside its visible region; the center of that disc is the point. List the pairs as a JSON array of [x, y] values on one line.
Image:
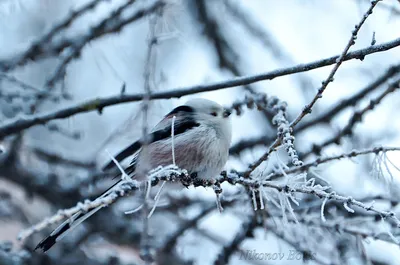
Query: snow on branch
[[284, 131], [315, 190], [174, 174], [121, 190]]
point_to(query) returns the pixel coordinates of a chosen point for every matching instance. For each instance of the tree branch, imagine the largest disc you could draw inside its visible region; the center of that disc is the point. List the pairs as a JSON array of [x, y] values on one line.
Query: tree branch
[[100, 103], [307, 109]]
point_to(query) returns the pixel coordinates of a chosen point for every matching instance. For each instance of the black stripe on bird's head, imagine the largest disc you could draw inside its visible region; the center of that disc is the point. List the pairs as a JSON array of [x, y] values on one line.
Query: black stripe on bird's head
[[183, 108]]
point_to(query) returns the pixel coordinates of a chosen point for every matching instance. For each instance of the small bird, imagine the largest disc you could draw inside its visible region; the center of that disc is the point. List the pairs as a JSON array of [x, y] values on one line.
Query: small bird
[[202, 135]]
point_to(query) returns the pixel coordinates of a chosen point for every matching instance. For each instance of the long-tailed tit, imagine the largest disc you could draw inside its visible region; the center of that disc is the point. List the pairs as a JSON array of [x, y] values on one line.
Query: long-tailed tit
[[202, 134]]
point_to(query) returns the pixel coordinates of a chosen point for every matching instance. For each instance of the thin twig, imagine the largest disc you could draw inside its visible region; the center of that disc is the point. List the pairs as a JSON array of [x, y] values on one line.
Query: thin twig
[[320, 160], [355, 119], [325, 117], [146, 252], [312, 191], [307, 109]]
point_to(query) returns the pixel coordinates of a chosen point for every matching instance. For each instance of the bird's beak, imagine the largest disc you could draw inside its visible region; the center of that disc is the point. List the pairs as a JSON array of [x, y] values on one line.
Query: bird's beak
[[227, 113]]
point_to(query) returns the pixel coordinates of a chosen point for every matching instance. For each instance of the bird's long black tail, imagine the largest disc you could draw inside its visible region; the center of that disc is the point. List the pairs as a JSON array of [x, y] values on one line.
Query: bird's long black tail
[[70, 224], [79, 217]]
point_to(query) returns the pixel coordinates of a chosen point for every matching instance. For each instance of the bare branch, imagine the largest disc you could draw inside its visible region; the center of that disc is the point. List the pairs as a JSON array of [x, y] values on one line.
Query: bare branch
[[245, 232], [100, 103], [192, 223], [53, 158], [307, 109]]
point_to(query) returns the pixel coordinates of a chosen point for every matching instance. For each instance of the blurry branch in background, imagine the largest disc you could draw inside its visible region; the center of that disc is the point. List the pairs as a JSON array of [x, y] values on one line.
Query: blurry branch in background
[[299, 245], [392, 6], [115, 22], [268, 40], [225, 54], [172, 240], [47, 47], [8, 256], [327, 116], [355, 118], [227, 251], [39, 48], [99, 104], [56, 159], [30, 93], [23, 85], [122, 189], [239, 250], [146, 247]]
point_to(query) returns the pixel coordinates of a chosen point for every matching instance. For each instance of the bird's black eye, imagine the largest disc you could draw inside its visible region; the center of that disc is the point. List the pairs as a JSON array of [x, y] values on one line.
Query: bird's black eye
[[214, 114]]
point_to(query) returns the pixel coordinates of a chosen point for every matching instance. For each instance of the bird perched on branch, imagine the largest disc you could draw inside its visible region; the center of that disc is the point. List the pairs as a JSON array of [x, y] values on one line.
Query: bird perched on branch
[[195, 136]]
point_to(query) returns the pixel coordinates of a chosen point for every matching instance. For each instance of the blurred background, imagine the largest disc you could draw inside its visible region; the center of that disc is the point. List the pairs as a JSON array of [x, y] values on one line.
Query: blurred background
[[49, 167]]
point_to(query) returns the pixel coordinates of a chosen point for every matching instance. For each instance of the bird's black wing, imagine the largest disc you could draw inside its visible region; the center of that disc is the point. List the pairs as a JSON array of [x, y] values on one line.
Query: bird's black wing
[[182, 124], [133, 148]]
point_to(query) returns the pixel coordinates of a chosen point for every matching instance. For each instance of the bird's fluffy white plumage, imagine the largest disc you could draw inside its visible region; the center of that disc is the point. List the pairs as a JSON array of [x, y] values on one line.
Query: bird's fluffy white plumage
[[202, 149]]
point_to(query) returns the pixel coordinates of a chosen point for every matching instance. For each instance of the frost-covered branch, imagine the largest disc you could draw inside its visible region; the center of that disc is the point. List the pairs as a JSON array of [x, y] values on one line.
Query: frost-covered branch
[[285, 136], [323, 160], [123, 189], [309, 188], [326, 116]]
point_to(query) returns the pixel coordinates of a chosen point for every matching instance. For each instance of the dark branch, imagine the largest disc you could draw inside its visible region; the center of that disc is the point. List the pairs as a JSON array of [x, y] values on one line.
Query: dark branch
[[100, 103]]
